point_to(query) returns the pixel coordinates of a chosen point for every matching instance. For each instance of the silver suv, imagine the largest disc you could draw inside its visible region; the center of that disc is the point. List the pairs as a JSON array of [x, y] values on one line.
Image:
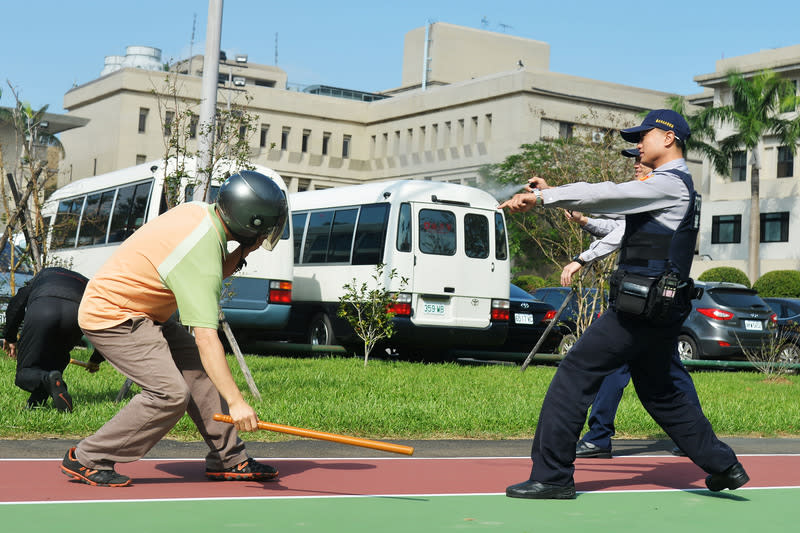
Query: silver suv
[[727, 319]]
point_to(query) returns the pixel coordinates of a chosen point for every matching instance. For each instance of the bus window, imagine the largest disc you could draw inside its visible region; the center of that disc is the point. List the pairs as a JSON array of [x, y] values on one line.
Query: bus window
[[437, 232], [95, 218], [341, 239], [476, 236], [298, 227], [317, 235], [371, 234], [129, 211], [403, 242], [500, 247], [65, 226]]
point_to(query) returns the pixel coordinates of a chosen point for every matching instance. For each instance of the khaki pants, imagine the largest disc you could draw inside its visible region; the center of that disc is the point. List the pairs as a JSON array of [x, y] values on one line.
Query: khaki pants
[[164, 361]]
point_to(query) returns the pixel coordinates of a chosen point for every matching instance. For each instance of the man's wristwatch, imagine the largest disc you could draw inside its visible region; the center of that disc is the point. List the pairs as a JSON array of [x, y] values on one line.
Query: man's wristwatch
[[539, 199], [577, 259]]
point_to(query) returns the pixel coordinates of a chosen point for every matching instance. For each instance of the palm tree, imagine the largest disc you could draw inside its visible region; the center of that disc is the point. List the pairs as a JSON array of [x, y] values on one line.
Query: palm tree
[[758, 105]]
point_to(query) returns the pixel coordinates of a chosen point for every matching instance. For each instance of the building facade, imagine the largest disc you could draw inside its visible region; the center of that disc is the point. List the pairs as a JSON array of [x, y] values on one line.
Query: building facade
[[724, 236], [468, 98]]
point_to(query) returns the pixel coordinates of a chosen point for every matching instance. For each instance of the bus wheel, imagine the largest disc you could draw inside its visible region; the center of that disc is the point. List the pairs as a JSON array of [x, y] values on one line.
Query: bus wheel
[[320, 331]]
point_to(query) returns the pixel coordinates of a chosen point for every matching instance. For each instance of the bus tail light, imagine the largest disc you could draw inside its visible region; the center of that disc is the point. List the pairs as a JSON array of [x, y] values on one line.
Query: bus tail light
[[500, 310], [280, 292], [401, 305]]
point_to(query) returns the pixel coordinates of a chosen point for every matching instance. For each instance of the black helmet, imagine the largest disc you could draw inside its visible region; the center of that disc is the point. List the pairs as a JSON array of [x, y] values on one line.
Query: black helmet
[[252, 205]]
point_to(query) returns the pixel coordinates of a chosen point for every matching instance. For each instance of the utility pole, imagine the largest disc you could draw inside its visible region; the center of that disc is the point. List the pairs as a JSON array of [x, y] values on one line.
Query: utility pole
[[208, 99]]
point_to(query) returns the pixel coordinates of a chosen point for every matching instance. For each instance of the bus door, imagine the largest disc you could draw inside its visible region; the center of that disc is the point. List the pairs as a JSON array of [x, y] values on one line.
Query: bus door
[[455, 273]]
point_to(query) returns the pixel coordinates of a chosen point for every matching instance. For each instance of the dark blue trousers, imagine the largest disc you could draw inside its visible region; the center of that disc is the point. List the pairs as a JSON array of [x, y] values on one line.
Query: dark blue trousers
[[604, 407], [611, 341]]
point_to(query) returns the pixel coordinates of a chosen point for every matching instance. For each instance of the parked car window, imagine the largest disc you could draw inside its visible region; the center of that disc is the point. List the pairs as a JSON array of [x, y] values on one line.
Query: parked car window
[[738, 298]]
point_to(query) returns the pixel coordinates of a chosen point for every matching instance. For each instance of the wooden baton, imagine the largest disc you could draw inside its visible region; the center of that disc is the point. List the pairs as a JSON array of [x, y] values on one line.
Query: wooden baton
[[78, 362], [321, 435]]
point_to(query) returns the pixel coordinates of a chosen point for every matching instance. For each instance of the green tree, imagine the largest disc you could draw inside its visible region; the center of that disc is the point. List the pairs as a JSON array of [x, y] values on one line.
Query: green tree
[[756, 110], [367, 307], [24, 174], [233, 126]]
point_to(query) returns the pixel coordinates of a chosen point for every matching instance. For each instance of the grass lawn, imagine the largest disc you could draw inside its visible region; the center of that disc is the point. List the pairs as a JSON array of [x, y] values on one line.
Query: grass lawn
[[402, 400]]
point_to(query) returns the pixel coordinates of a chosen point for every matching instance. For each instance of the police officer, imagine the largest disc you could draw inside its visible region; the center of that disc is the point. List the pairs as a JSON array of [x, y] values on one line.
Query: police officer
[[596, 443], [650, 296], [47, 309]]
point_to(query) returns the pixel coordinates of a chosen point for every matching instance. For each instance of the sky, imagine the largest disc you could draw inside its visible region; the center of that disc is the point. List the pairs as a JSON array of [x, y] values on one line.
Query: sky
[[49, 46]]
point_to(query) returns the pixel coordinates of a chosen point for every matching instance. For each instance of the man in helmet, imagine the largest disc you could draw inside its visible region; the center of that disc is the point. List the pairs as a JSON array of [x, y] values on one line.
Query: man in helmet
[[176, 262]]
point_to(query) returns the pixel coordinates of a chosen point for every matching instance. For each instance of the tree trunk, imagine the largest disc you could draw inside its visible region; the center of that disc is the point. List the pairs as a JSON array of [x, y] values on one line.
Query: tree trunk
[[753, 262]]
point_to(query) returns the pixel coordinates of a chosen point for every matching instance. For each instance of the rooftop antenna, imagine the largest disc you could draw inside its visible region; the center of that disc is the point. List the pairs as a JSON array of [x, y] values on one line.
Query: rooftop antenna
[[191, 43], [485, 22], [505, 27], [276, 49]]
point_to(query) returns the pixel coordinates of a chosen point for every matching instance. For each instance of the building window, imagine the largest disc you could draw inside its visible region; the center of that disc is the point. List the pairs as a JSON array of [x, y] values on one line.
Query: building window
[[775, 227], [726, 229], [141, 158], [143, 111], [262, 140], [193, 126], [346, 146], [285, 138], [739, 166], [785, 162], [474, 132], [169, 117], [326, 138], [565, 130], [304, 146]]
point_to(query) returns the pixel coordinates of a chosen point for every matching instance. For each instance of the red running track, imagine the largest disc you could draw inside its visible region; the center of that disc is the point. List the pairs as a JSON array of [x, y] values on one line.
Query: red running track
[[28, 480]]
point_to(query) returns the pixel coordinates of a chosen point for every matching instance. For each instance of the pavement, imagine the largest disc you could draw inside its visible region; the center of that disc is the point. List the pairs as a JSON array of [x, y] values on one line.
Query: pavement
[[307, 448]]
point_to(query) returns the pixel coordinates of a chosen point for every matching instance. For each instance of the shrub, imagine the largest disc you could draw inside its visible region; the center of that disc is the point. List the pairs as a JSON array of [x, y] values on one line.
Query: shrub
[[779, 283], [729, 274], [528, 282]]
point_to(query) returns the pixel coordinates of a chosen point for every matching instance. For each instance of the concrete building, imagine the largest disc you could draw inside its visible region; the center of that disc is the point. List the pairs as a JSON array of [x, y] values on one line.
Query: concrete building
[[468, 98], [724, 237]]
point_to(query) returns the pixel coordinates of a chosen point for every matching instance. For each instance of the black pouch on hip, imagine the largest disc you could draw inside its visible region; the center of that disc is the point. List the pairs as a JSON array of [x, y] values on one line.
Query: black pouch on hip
[[634, 293]]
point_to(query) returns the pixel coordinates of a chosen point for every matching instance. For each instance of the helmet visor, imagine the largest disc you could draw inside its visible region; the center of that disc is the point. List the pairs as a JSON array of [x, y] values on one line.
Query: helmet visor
[[273, 236]]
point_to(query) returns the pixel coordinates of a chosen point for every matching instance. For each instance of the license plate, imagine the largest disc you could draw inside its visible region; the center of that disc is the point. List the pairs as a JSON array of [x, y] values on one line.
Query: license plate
[[753, 325], [433, 309], [523, 318]]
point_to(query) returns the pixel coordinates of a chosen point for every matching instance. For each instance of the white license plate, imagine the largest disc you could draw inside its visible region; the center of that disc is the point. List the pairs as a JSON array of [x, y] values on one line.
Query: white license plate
[[433, 309], [753, 325], [523, 318]]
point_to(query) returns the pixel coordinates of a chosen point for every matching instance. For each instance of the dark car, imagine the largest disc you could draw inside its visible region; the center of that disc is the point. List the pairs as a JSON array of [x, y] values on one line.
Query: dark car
[[590, 303], [527, 319], [727, 320], [787, 311]]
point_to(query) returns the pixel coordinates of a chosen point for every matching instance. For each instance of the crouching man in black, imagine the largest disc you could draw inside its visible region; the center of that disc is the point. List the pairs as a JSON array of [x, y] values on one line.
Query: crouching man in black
[[47, 309]]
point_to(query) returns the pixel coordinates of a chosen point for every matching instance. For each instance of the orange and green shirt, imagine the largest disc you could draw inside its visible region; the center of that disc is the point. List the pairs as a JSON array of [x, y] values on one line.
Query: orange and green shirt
[[172, 262]]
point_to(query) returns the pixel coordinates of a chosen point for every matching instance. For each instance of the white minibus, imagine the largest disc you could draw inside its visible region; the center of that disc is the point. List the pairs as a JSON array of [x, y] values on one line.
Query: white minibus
[[448, 240], [89, 218]]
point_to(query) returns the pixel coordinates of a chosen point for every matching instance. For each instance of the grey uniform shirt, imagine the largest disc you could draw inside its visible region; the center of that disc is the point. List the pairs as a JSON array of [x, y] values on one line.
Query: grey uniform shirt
[[661, 194]]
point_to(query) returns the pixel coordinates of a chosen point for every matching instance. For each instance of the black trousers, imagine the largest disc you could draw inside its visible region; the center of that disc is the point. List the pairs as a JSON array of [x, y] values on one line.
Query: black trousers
[[612, 340], [49, 332]]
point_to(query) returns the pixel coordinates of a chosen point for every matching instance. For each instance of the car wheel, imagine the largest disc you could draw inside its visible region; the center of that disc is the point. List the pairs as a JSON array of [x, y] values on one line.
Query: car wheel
[[566, 343], [790, 353], [320, 330], [687, 348]]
